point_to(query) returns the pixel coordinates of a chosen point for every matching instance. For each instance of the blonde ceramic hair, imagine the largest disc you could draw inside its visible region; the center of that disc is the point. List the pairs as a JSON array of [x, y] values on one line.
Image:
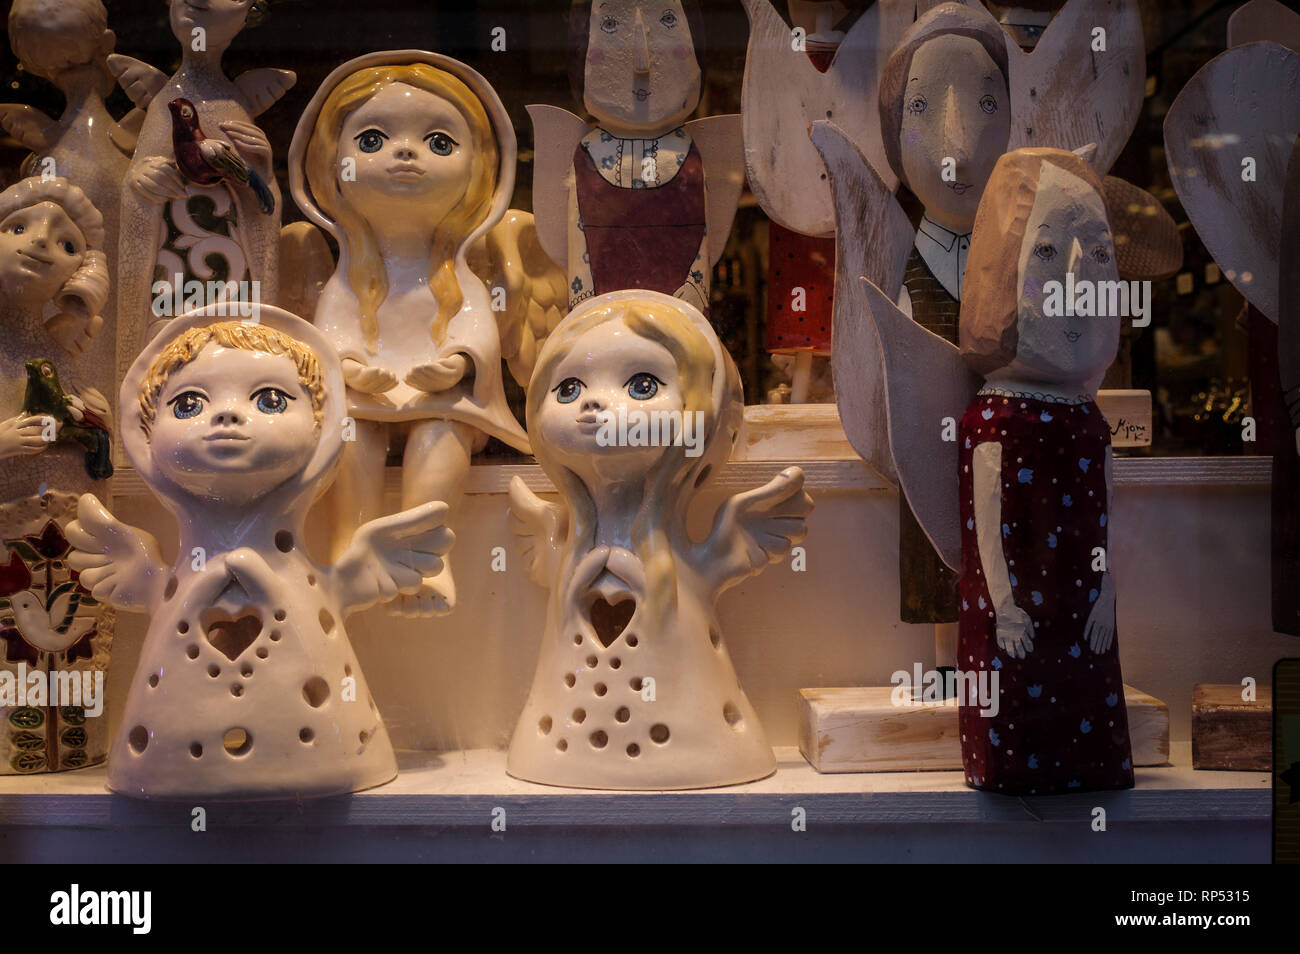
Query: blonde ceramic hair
[[50, 36], [230, 334], [693, 355], [86, 291], [990, 305], [366, 273]]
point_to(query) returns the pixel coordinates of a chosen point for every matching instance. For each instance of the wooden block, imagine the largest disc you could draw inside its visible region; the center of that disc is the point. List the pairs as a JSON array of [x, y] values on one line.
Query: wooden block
[[859, 729], [1229, 733], [793, 432], [1129, 414]]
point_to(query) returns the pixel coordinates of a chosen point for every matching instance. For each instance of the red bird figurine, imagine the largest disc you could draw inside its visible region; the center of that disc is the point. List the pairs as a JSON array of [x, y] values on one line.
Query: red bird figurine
[[209, 161]]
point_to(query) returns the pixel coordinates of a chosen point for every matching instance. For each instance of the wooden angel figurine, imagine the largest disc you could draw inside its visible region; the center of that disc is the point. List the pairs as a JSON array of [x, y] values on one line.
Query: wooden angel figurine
[[644, 199], [54, 446], [633, 405], [1029, 526], [407, 159], [246, 684], [199, 201]]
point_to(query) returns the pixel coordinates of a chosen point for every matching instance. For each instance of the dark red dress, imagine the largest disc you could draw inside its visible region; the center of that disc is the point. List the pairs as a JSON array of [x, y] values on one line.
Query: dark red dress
[[1061, 724]]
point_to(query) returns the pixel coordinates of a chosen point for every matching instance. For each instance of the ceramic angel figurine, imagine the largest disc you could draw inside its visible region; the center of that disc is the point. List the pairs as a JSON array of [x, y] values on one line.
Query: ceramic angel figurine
[[1029, 528], [199, 201], [246, 685], [407, 159], [634, 403], [54, 446], [644, 199]]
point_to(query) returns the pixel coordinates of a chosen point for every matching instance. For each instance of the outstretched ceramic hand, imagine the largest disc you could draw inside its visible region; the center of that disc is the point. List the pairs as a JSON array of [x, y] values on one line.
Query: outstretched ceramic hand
[[73, 333], [1015, 631], [393, 555], [1100, 629], [157, 179], [21, 435], [438, 375], [757, 527], [118, 564], [251, 143], [367, 378]]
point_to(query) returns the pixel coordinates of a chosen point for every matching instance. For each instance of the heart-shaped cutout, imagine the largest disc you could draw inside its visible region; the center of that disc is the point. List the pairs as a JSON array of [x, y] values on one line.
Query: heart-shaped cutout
[[231, 634], [610, 621]]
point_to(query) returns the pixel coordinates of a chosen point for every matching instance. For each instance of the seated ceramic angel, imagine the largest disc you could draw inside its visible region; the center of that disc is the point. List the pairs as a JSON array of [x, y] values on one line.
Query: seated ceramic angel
[[634, 688], [246, 685], [54, 445], [645, 199], [1029, 528], [407, 159], [199, 200]]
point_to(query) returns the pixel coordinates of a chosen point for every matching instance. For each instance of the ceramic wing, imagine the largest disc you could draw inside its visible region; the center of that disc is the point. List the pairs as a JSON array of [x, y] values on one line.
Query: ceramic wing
[[541, 527], [140, 81], [262, 88], [556, 134]]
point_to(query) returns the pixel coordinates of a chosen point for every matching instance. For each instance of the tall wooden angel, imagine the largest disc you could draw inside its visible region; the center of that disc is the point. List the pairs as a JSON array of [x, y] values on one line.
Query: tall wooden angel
[[54, 445], [67, 42], [199, 201], [633, 406], [246, 684], [1229, 140], [644, 199], [407, 158], [1026, 521]]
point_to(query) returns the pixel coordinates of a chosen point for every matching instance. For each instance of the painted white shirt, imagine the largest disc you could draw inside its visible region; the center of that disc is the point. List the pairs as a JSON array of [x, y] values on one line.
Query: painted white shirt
[[945, 254]]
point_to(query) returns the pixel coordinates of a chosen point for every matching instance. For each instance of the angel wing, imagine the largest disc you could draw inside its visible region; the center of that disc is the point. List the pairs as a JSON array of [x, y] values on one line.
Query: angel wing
[[1066, 93], [722, 153], [926, 381], [126, 131], [1240, 113], [556, 134], [510, 257], [542, 528], [140, 81], [1264, 20], [29, 126], [117, 563], [873, 237], [306, 264], [753, 529], [262, 88], [392, 555], [783, 92]]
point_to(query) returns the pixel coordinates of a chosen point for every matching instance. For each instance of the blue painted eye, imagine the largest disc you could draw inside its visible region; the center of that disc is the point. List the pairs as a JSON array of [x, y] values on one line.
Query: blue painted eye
[[643, 386], [988, 104], [1046, 251], [69, 247], [567, 391], [442, 144], [371, 140], [669, 19], [188, 404], [1101, 255], [916, 105], [19, 229], [272, 401], [609, 24]]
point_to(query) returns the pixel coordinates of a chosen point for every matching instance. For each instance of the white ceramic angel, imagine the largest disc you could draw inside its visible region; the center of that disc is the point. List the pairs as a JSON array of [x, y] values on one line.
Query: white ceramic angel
[[246, 685], [407, 159], [54, 445], [199, 200], [67, 42], [633, 405], [644, 199]]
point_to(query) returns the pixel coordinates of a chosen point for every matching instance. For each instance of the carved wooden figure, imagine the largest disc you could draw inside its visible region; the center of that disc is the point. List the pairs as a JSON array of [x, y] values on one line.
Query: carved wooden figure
[[54, 446], [182, 224], [246, 684], [1029, 526], [644, 199], [634, 403], [407, 159]]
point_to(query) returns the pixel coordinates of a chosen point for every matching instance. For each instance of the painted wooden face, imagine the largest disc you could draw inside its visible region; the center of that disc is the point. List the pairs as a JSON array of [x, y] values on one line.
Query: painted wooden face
[[220, 21], [641, 73], [232, 425], [1068, 233], [956, 123], [404, 151], [40, 249], [611, 375]]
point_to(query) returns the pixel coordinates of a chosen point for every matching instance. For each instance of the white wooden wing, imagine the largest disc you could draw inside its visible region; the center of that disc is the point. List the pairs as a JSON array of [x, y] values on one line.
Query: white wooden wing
[[719, 141], [556, 134]]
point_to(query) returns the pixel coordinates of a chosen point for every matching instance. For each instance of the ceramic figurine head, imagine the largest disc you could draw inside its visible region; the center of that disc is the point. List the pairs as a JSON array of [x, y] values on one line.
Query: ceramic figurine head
[[945, 110], [51, 247], [400, 140], [53, 37], [636, 64], [1045, 211], [235, 414], [221, 20]]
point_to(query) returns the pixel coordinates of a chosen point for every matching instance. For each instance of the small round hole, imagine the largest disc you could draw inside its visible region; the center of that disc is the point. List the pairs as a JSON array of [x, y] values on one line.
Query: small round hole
[[192, 651], [280, 615], [245, 670], [632, 641], [562, 745], [311, 579], [275, 635], [139, 739], [363, 736], [306, 735], [601, 689], [262, 652], [284, 541], [659, 733], [238, 742], [183, 627], [623, 714], [635, 683], [570, 679], [715, 637], [544, 726], [170, 589], [577, 640], [236, 690], [615, 663], [592, 662], [599, 739], [153, 681], [196, 750], [214, 670], [731, 713], [579, 715], [326, 621], [633, 750], [315, 690]]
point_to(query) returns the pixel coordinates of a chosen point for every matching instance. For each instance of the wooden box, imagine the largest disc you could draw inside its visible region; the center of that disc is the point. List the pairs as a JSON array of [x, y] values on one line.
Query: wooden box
[[1230, 733]]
